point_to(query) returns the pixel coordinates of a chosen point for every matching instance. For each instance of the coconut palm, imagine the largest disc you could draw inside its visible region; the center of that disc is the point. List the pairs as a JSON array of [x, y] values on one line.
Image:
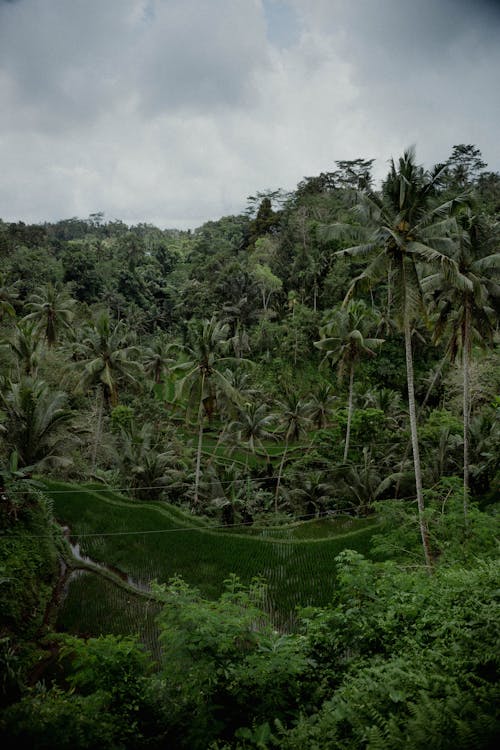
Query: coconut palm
[[388, 401], [24, 343], [105, 358], [344, 342], [158, 359], [312, 492], [363, 482], [147, 470], [399, 228], [36, 422], [252, 426], [293, 415], [467, 305], [8, 296], [204, 376], [52, 310], [321, 405]]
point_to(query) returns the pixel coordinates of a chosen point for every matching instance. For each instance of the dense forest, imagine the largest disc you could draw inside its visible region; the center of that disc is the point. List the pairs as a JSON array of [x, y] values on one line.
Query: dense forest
[[329, 356]]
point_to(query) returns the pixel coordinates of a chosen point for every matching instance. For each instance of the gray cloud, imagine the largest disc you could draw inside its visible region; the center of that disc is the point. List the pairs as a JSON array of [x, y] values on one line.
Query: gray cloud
[[173, 111]]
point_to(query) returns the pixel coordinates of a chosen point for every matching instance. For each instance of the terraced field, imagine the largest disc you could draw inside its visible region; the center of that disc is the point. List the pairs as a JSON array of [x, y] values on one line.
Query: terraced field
[[136, 543]]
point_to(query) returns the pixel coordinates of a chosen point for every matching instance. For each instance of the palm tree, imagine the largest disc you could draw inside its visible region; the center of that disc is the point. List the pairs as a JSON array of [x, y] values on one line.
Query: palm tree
[[401, 227], [148, 471], [252, 426], [158, 359], [321, 404], [104, 357], [8, 295], [52, 309], [344, 342], [25, 344], [362, 482], [204, 375], [293, 414], [467, 306], [312, 492], [36, 420]]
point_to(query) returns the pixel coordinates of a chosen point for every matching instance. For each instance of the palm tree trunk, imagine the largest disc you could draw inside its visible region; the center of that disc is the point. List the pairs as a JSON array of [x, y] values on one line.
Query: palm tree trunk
[[98, 428], [280, 472], [422, 407], [424, 531], [466, 401], [349, 413], [200, 442]]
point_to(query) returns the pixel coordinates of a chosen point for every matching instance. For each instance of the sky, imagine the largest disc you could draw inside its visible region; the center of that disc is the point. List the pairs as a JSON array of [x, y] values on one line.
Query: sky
[[173, 112]]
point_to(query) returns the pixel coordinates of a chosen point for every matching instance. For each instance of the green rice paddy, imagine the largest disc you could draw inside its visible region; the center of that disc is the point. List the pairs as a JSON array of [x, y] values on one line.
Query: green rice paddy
[[156, 541]]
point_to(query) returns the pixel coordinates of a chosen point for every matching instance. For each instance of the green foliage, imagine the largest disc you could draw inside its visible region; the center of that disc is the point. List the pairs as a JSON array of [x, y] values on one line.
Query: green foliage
[[50, 718], [28, 557], [453, 537], [395, 657], [227, 652], [413, 660]]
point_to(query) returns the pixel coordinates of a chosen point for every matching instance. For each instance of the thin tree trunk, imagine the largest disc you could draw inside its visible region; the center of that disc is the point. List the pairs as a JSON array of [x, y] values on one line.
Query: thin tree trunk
[[422, 407], [424, 531], [466, 402], [280, 472], [349, 413], [200, 442], [98, 429]]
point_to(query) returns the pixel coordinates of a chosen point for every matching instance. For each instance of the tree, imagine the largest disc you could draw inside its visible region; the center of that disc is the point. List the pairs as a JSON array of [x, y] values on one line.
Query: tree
[[253, 425], [8, 296], [311, 491], [147, 470], [465, 165], [293, 414], [158, 359], [267, 282], [52, 309], [321, 404], [104, 357], [344, 342], [399, 228], [36, 420], [467, 304], [204, 374], [25, 344]]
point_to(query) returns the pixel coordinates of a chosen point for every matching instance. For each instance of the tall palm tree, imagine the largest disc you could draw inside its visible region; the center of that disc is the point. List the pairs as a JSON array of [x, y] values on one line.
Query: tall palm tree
[[52, 310], [105, 357], [204, 375], [467, 305], [400, 228], [345, 342], [293, 414]]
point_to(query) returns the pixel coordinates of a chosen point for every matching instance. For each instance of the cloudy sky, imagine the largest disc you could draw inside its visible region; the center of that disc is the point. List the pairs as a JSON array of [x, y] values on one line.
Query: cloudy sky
[[174, 111]]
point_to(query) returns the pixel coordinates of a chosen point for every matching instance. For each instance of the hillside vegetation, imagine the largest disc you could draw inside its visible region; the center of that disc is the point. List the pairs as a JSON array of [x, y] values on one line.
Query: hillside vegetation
[[274, 446]]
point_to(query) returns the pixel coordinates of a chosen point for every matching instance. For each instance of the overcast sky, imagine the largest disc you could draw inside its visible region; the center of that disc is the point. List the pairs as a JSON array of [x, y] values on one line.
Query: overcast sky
[[174, 111]]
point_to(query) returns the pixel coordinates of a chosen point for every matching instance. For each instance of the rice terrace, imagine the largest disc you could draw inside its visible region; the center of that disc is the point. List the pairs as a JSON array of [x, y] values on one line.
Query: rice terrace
[[124, 546]]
